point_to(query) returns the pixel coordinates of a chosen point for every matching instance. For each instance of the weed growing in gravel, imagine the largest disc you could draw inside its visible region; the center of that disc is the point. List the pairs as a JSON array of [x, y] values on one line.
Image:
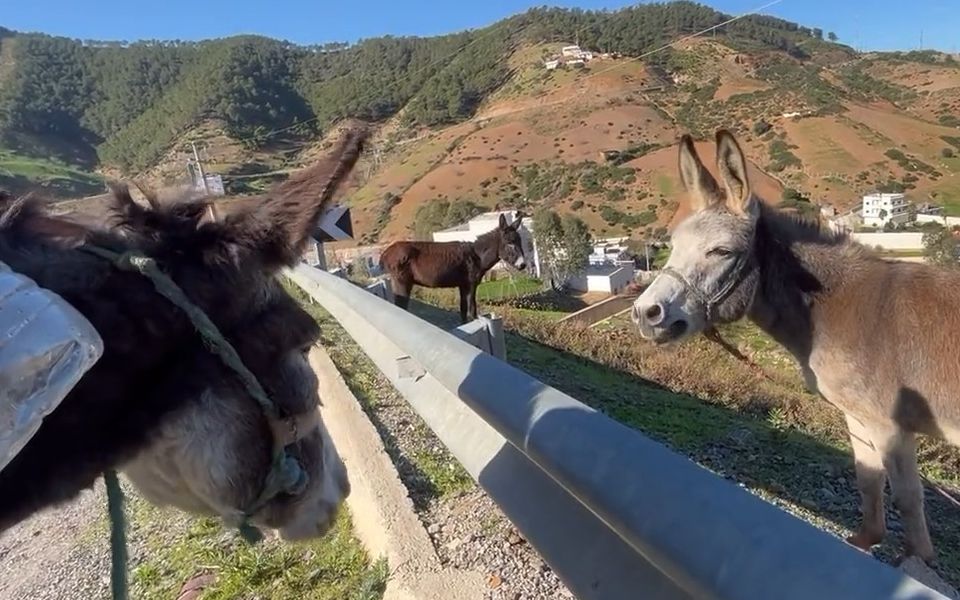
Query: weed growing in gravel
[[334, 567]]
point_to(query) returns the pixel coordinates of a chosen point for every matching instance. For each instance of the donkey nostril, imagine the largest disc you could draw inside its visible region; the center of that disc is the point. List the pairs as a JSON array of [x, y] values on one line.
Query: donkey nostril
[[653, 313]]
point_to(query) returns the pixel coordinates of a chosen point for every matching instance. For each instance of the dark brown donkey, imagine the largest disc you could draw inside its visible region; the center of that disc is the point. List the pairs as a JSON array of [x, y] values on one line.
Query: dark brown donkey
[[453, 264], [878, 339], [158, 404]]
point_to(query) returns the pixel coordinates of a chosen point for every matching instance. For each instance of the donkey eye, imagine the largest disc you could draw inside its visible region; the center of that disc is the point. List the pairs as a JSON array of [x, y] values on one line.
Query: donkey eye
[[721, 252]]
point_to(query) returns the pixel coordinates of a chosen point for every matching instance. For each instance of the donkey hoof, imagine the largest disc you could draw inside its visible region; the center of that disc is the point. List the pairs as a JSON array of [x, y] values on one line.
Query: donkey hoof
[[864, 540]]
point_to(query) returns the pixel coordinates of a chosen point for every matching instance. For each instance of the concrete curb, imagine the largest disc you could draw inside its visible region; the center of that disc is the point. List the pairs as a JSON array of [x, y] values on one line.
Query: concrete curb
[[383, 515]]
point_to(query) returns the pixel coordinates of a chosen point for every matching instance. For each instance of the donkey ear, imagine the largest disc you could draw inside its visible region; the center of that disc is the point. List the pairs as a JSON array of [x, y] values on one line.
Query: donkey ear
[[698, 182], [503, 221], [278, 230], [732, 167]]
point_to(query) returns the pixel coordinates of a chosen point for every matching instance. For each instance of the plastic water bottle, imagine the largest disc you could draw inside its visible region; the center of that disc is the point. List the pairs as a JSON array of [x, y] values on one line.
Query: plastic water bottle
[[46, 346]]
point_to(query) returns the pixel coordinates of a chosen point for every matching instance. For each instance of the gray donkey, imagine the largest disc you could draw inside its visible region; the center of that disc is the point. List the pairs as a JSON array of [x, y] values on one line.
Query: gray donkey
[[878, 339]]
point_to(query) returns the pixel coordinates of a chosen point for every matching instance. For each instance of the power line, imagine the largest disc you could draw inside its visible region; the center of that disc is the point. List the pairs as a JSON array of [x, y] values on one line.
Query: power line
[[685, 38]]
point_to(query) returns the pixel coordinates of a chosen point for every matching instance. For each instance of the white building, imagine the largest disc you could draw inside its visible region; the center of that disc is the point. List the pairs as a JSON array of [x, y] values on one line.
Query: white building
[[611, 251], [608, 278], [890, 241], [551, 64], [880, 209], [483, 223]]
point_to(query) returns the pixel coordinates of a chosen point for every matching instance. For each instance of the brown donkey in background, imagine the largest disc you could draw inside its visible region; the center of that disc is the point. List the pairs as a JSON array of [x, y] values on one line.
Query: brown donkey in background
[[880, 340], [452, 264]]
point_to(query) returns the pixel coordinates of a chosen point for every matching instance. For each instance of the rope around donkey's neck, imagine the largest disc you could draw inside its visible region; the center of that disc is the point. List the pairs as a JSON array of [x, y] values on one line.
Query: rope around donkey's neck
[[118, 536]]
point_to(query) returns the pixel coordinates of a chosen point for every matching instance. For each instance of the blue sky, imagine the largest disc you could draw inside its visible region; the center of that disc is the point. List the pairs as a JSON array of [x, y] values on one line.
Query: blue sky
[[866, 24]]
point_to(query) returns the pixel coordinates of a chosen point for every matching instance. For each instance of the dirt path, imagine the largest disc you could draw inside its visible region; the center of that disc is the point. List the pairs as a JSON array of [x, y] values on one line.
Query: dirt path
[[60, 553]]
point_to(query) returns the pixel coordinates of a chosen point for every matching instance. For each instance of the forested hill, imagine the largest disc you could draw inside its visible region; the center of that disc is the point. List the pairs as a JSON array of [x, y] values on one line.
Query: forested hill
[[120, 104]]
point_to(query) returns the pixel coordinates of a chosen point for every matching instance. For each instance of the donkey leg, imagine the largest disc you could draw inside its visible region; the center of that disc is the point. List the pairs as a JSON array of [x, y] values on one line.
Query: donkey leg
[[472, 304], [870, 482], [401, 293], [900, 460], [464, 303]]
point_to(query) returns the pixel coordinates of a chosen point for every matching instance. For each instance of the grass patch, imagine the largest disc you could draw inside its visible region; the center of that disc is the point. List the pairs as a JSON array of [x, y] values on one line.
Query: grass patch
[[335, 567], [20, 173], [951, 204], [664, 185], [508, 287]]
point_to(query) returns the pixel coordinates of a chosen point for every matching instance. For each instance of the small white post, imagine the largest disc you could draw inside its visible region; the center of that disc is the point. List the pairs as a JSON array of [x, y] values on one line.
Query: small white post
[[498, 340]]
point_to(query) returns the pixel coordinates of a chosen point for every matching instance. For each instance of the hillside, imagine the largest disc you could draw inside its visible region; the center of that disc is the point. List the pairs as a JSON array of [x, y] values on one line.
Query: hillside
[[472, 120]]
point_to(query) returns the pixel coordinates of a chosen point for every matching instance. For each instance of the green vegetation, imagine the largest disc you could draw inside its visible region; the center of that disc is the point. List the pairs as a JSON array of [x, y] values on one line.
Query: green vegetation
[[508, 287], [952, 140], [18, 174], [781, 157], [334, 567], [691, 114], [805, 80], [563, 244], [435, 215], [927, 57], [910, 163], [795, 200], [630, 221], [865, 87], [595, 177], [541, 182], [127, 104], [387, 203], [761, 127], [940, 247], [618, 157]]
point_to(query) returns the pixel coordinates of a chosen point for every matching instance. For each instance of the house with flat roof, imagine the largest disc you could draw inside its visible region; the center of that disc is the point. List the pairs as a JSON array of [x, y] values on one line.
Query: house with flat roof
[[609, 278]]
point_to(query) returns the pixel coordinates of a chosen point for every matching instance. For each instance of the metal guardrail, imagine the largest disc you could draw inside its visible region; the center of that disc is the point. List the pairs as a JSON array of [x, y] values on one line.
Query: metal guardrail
[[615, 514]]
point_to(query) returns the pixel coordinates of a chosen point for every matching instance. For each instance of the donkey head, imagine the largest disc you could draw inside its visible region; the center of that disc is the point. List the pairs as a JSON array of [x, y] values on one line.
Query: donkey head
[[214, 456], [510, 250], [711, 275]]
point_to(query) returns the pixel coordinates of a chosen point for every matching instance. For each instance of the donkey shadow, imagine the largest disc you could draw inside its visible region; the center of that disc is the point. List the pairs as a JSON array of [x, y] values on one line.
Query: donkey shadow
[[785, 466]]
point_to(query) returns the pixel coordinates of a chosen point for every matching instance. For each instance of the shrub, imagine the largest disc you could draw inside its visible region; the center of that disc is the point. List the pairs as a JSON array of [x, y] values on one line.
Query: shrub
[[761, 127]]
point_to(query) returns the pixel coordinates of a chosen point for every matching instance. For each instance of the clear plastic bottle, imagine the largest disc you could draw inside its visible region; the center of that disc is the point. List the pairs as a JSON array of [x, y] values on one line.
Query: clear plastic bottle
[[46, 346]]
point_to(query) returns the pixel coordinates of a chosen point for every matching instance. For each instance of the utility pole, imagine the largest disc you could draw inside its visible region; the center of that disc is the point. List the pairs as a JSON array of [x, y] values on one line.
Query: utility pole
[[196, 161], [211, 210]]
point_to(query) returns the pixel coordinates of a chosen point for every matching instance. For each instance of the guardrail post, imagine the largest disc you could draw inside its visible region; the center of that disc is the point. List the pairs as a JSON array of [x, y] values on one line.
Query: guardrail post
[[498, 340]]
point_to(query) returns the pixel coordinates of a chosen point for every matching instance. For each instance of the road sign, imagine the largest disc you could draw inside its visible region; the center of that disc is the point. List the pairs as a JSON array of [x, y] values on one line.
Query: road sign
[[335, 225]]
